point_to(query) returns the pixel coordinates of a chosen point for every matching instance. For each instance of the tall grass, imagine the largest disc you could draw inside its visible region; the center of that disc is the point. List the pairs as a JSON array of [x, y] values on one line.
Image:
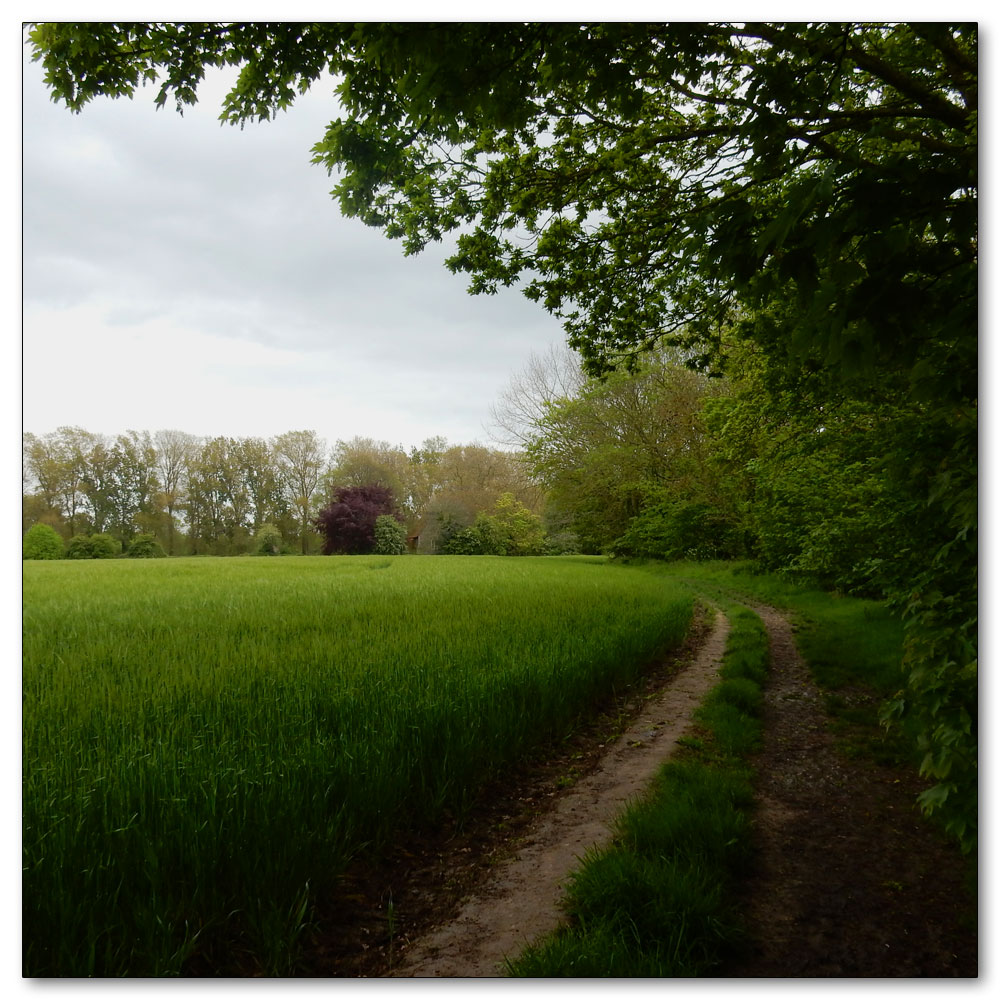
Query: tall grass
[[207, 743]]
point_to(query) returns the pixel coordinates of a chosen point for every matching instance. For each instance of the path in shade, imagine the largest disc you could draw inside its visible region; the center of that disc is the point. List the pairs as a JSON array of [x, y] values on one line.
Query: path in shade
[[849, 880], [522, 901]]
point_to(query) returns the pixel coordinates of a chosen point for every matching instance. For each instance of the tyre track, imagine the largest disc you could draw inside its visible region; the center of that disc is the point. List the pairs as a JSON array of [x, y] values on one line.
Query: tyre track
[[522, 901]]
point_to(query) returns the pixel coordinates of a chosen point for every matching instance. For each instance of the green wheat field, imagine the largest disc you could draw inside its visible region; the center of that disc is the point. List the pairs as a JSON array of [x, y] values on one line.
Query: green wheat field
[[209, 742]]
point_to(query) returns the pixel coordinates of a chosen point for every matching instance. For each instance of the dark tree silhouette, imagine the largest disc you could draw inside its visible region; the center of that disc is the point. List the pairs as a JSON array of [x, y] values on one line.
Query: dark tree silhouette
[[348, 522]]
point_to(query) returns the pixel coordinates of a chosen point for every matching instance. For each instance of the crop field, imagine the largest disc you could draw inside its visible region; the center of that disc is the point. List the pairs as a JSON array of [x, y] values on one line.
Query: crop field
[[208, 742]]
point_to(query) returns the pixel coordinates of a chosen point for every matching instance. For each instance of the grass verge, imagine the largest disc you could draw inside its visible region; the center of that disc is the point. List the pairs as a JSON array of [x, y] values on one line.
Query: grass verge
[[659, 900]]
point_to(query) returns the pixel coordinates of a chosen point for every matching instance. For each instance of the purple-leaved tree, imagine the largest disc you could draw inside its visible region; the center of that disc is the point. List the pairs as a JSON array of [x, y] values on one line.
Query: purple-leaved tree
[[348, 522]]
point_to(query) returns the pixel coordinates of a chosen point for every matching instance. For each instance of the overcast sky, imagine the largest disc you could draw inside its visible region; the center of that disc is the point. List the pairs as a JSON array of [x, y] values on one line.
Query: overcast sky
[[180, 273]]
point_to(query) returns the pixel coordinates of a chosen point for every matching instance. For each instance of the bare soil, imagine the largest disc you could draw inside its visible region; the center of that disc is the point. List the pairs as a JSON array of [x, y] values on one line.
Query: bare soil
[[848, 881]]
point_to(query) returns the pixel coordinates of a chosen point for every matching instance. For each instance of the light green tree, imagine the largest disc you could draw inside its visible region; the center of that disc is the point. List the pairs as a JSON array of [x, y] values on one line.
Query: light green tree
[[390, 536], [626, 441], [268, 540], [301, 457], [41, 541], [174, 450], [524, 532]]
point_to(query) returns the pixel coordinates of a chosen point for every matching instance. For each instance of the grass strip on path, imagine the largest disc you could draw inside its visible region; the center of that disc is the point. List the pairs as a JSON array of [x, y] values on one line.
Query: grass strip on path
[[659, 900], [853, 648]]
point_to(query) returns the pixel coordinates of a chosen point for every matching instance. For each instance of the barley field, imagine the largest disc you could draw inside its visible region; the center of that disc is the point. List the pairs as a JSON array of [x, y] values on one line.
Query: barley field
[[208, 742]]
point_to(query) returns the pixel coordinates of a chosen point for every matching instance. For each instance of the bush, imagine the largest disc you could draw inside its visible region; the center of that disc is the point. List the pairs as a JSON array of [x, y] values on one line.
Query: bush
[[486, 537], [390, 536], [100, 546], [448, 526], [145, 547], [79, 547], [670, 530], [41, 541], [268, 541], [105, 546], [525, 534]]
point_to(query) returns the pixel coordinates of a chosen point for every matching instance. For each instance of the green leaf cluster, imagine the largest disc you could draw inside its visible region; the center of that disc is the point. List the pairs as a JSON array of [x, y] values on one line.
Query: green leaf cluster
[[484, 537], [268, 540], [145, 547], [98, 546], [390, 536]]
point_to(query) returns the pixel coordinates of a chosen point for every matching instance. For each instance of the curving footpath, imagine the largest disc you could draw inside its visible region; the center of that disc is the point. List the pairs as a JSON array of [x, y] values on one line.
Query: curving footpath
[[848, 879], [522, 901]]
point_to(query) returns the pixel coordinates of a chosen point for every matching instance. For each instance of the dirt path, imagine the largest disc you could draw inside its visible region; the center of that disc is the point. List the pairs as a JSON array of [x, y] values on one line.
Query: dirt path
[[522, 901], [849, 881]]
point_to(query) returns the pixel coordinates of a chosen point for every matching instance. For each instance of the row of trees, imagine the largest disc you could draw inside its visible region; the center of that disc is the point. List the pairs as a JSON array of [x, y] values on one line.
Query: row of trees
[[666, 462], [215, 495], [195, 495], [367, 519]]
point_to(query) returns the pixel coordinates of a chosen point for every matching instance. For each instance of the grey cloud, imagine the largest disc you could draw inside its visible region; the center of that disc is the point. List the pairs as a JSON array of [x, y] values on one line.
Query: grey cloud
[[235, 234]]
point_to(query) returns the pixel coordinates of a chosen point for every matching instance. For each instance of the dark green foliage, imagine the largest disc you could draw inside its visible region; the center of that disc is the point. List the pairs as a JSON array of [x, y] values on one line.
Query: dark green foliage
[[838, 492], [679, 530], [41, 541], [105, 546], [485, 537], [940, 700], [824, 497], [145, 547], [448, 526], [390, 536], [79, 547], [99, 546], [562, 543]]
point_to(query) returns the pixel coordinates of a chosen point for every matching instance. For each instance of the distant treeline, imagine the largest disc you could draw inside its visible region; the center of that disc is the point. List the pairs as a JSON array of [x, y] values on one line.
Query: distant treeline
[[212, 496]]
